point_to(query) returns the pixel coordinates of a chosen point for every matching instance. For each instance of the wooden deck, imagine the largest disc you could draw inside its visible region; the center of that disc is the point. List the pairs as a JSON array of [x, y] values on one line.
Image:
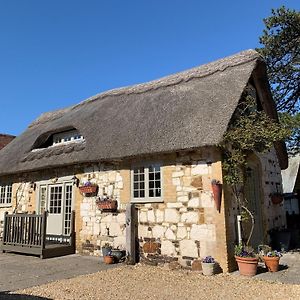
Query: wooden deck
[[24, 233]]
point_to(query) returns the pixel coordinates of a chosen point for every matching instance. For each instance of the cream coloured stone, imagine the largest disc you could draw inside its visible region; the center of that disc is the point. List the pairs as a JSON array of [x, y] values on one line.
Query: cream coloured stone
[[206, 200], [151, 216], [183, 209], [159, 216], [183, 199], [177, 174], [96, 230], [173, 227], [158, 231], [119, 177], [115, 229], [188, 248], [189, 189], [119, 242], [174, 205], [168, 248], [143, 217], [178, 188], [107, 219], [200, 169], [172, 215], [194, 202], [169, 234], [181, 232], [121, 218], [199, 232], [112, 176], [84, 206], [176, 181], [119, 185], [86, 219], [190, 217], [142, 231]]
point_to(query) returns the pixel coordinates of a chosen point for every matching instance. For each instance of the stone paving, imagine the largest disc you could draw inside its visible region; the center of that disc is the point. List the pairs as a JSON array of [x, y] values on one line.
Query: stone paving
[[22, 271]]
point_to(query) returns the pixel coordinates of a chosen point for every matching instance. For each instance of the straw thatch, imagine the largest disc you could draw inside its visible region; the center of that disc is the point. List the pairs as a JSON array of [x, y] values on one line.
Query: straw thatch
[[187, 110]]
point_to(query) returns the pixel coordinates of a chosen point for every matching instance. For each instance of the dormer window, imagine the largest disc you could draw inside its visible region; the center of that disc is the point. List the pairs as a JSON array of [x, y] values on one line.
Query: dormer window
[[62, 137], [66, 137]]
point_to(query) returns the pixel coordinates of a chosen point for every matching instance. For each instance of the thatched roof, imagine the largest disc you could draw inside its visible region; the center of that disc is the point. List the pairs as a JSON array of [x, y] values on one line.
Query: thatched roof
[[183, 111]]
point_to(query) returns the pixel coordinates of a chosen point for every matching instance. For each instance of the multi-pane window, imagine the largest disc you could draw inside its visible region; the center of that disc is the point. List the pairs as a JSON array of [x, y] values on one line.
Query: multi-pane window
[[68, 207], [55, 199], [66, 137], [146, 183], [5, 194], [43, 197]]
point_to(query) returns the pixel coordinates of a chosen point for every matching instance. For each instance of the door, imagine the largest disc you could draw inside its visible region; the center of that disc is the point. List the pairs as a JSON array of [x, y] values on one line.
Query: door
[[253, 197], [57, 200]]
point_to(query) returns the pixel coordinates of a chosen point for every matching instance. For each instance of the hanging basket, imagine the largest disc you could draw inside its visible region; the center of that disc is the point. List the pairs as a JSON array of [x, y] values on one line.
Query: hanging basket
[[88, 189], [108, 205], [217, 193], [276, 198]]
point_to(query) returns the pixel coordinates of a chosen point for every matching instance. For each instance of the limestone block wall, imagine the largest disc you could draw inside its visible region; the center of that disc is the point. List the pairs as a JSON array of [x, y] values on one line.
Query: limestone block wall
[[98, 228], [274, 214]]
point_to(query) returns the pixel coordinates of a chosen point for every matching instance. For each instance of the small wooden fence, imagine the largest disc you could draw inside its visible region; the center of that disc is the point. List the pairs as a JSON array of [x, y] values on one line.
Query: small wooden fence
[[26, 233]]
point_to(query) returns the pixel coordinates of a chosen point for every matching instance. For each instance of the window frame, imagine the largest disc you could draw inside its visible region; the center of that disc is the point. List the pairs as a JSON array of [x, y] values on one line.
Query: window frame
[[147, 198], [8, 191], [67, 137]]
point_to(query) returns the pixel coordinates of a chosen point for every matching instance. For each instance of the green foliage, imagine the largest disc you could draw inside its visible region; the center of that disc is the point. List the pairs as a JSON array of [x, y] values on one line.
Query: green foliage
[[250, 130], [281, 51]]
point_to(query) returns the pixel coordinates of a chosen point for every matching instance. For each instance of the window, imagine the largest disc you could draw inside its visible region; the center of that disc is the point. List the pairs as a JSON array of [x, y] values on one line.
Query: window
[[146, 183], [67, 137], [5, 194]]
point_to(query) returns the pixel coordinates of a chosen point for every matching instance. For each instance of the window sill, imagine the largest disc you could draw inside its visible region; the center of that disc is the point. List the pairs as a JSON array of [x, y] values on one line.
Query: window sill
[[147, 200], [5, 205]]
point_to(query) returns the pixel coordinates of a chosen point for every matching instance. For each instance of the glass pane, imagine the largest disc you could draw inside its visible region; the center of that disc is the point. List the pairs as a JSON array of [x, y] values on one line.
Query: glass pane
[[135, 194], [151, 184], [157, 176], [142, 194], [151, 176], [151, 193]]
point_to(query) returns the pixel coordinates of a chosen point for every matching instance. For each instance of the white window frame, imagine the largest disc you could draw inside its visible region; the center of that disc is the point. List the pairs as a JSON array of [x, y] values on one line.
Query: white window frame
[[146, 199], [66, 137], [7, 199]]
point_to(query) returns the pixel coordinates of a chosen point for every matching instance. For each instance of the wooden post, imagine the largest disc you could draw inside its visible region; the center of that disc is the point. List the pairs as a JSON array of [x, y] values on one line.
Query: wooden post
[[43, 232], [4, 236], [131, 234]]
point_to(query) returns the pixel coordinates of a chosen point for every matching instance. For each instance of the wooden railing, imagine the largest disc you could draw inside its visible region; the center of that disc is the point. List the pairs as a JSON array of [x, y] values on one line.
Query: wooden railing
[[26, 233]]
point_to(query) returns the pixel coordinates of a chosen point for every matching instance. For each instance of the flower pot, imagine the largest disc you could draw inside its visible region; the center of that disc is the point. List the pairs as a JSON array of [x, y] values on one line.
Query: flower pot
[[109, 259], [108, 205], [118, 254], [208, 268], [247, 265], [105, 251], [89, 189], [217, 193], [272, 263]]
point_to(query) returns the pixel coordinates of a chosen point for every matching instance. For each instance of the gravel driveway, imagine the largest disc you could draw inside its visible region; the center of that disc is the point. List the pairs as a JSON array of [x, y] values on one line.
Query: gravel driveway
[[147, 282]]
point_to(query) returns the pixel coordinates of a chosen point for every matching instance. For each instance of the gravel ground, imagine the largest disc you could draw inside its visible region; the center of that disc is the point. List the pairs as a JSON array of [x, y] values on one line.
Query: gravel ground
[[147, 282]]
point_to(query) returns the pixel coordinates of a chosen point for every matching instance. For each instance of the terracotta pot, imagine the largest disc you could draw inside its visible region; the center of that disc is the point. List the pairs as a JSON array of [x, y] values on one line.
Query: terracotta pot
[[208, 269], [108, 259], [247, 265], [89, 189], [272, 263], [217, 192]]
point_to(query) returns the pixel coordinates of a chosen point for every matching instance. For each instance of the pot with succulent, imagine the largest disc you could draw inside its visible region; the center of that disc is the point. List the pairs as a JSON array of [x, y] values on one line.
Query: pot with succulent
[[208, 266], [271, 260], [246, 259]]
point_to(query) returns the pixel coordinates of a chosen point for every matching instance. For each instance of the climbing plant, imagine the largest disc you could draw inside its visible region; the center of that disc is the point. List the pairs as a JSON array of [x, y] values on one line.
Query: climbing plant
[[250, 130]]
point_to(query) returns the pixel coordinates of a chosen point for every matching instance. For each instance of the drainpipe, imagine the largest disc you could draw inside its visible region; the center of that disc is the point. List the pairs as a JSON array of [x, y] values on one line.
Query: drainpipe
[[239, 228]]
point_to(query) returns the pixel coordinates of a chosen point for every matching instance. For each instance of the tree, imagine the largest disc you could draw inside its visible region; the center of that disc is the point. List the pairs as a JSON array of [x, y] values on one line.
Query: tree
[[281, 50]]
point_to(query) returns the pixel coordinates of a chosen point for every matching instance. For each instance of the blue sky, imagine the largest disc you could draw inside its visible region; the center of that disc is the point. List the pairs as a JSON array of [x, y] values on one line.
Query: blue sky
[[57, 53]]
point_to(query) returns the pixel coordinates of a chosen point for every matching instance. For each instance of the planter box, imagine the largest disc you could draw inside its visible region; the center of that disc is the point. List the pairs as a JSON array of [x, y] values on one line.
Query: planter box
[[108, 206], [89, 189]]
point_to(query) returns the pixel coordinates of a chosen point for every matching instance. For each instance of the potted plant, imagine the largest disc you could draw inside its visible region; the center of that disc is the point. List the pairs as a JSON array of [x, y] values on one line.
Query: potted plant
[[271, 260], [118, 254], [106, 204], [109, 258], [246, 259], [88, 188], [106, 249], [208, 265]]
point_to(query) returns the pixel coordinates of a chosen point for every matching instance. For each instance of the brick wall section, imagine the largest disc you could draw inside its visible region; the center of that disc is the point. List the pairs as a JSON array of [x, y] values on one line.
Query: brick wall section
[[5, 139]]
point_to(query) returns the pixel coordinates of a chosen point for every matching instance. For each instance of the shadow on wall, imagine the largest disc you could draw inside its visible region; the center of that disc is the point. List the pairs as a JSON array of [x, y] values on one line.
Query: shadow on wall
[[7, 296]]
